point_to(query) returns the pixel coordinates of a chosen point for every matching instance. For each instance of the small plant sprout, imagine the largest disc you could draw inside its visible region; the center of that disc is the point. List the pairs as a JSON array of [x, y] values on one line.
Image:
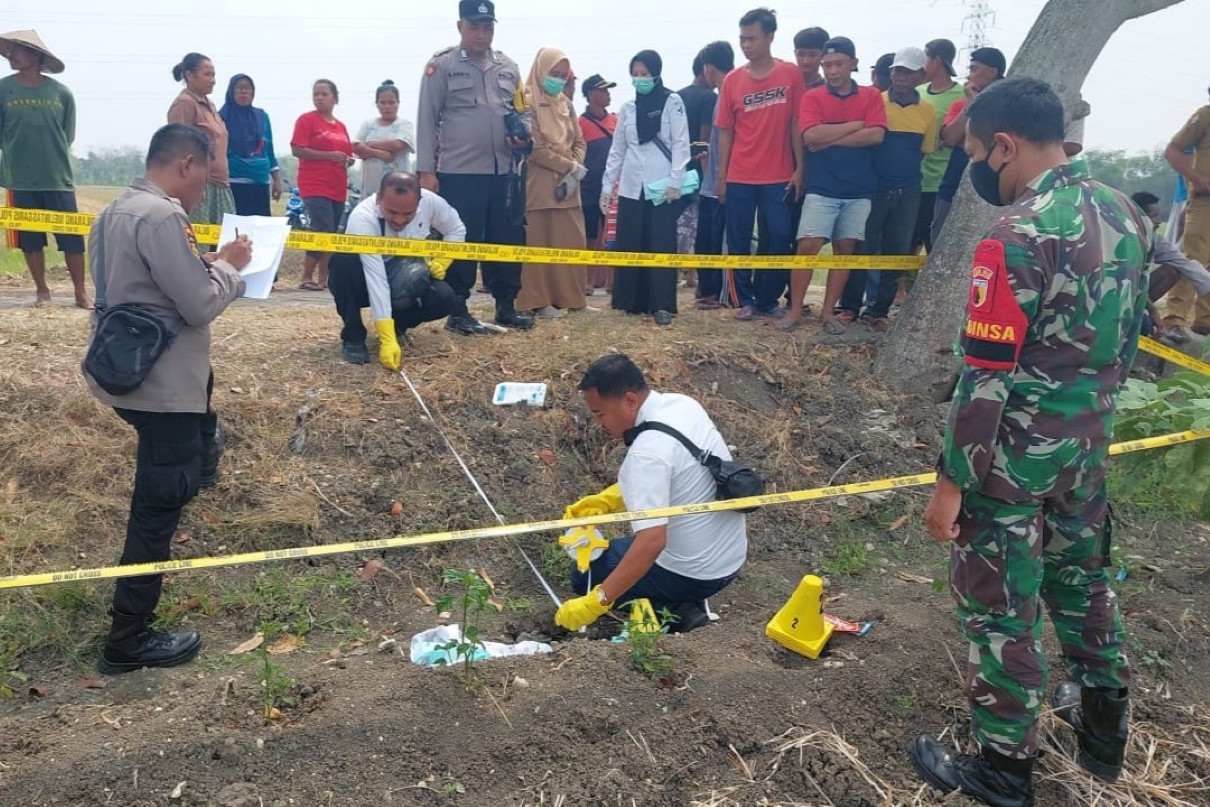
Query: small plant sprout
[[469, 603]]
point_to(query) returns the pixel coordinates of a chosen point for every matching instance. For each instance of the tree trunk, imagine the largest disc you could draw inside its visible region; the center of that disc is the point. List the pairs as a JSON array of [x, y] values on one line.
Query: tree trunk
[[1060, 49]]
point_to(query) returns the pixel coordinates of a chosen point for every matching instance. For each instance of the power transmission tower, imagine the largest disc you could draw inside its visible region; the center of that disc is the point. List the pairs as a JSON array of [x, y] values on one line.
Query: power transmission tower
[[979, 18]]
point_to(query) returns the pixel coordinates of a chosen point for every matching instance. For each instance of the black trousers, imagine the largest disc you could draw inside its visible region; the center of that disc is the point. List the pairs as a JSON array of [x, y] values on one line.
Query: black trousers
[[347, 282], [644, 227], [251, 199], [479, 200], [167, 475], [888, 231]]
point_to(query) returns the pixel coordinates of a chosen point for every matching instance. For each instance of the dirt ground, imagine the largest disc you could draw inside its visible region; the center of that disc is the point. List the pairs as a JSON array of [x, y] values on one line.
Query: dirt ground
[[324, 452]]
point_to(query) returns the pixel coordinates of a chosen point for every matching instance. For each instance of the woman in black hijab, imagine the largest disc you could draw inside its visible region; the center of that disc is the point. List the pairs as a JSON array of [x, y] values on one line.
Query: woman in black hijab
[[647, 164]]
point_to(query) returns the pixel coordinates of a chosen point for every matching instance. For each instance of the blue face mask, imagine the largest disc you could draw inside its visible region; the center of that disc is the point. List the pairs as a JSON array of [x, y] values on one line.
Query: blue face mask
[[643, 84], [553, 85]]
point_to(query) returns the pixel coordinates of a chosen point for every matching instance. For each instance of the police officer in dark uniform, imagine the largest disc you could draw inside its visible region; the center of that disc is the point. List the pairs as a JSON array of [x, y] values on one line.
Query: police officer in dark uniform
[[464, 151]]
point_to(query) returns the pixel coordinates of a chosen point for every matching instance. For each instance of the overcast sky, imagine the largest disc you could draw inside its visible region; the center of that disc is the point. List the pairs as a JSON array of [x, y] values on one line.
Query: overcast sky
[[1146, 83]]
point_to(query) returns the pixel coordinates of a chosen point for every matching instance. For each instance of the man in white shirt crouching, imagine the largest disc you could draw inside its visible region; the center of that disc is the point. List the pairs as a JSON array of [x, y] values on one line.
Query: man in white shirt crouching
[[400, 209], [675, 563]]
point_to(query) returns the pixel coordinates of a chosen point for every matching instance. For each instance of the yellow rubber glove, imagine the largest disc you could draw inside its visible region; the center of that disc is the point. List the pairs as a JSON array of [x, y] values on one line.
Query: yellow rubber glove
[[607, 501], [389, 354], [438, 267], [575, 614]]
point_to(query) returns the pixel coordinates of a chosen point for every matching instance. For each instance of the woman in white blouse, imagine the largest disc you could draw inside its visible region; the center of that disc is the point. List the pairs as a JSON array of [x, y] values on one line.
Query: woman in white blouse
[[647, 164]]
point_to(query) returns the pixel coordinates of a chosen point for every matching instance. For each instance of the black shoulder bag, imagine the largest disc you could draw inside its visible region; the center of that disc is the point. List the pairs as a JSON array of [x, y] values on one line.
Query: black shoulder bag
[[734, 481], [128, 340]]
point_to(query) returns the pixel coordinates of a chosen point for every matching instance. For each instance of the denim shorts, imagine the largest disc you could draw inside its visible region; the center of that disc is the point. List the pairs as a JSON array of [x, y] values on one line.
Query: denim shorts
[[833, 219]]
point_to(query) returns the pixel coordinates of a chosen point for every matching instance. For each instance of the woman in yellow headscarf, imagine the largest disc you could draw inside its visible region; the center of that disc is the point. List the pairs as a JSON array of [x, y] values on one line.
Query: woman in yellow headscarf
[[552, 196]]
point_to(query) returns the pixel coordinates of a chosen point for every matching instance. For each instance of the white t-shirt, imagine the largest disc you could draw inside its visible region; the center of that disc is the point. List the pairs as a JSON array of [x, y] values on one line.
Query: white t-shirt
[[660, 472], [433, 216], [374, 169]]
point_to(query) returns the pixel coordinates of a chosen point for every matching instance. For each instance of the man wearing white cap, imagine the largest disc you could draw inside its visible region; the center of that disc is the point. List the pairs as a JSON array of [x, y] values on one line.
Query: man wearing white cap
[[911, 135], [37, 127]]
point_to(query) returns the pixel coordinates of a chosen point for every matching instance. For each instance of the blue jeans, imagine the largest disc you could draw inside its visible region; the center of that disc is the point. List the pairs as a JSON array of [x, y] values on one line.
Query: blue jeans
[[664, 588], [743, 202], [710, 227], [888, 231]]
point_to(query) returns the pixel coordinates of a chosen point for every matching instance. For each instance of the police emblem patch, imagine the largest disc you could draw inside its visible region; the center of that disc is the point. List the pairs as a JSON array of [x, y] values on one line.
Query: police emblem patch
[[482, 8], [981, 278], [190, 237]]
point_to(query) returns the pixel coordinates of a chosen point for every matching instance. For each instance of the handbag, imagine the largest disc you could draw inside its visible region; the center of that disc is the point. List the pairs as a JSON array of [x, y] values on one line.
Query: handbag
[[129, 338], [732, 480]]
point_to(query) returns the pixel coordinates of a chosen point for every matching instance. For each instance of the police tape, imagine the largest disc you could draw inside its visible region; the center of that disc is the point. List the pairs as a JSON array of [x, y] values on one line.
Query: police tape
[[1175, 356], [400, 542], [50, 221]]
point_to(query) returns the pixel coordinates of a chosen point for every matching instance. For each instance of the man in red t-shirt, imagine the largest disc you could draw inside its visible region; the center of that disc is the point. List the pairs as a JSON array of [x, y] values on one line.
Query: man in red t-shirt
[[759, 158]]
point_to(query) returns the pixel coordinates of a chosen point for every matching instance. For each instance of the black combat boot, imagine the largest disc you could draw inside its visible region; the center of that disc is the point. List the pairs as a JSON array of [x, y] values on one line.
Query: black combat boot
[[507, 316], [1100, 720], [132, 645], [212, 451], [991, 778], [465, 324]]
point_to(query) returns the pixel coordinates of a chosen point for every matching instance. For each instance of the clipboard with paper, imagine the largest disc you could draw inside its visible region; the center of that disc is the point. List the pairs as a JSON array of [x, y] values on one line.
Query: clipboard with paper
[[268, 235]]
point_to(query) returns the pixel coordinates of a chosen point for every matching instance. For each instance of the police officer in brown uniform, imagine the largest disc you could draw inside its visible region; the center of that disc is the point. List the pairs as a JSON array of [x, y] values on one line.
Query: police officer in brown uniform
[[464, 152], [143, 252]]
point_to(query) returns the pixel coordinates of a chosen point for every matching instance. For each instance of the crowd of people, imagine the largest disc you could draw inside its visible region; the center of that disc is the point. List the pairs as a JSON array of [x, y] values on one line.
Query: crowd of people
[[800, 155]]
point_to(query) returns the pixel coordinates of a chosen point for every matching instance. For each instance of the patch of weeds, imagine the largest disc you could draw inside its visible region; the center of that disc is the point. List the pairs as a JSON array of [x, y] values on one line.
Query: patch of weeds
[[851, 560], [276, 687], [519, 604], [61, 619], [1154, 660], [643, 632], [292, 597], [907, 702], [556, 565], [469, 605]]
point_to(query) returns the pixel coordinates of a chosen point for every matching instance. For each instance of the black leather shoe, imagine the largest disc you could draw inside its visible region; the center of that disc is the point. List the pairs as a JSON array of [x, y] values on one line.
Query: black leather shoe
[[212, 452], [465, 324], [662, 318], [689, 616], [507, 316], [148, 648], [1100, 720], [991, 778], [355, 353]]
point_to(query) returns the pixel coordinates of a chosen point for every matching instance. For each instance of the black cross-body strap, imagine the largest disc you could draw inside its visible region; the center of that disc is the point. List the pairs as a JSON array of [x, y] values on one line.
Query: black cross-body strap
[[704, 457]]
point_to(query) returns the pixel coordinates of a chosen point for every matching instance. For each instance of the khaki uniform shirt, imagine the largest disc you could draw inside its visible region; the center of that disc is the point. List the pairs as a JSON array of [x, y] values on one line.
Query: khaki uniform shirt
[[461, 115], [150, 259], [196, 110], [1195, 134]]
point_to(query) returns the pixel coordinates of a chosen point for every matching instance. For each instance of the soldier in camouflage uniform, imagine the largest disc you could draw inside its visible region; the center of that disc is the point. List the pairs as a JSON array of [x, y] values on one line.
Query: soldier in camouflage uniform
[[1058, 290]]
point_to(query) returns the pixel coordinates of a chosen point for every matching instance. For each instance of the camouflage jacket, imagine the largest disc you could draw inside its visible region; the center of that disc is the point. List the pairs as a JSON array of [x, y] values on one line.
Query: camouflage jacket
[[1058, 290]]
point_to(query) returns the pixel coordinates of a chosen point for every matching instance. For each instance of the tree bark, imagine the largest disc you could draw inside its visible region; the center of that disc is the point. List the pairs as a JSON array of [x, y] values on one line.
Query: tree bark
[[1061, 47]]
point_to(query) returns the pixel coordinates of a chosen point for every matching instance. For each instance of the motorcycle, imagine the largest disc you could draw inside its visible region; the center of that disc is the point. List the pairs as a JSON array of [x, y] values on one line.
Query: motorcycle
[[296, 211]]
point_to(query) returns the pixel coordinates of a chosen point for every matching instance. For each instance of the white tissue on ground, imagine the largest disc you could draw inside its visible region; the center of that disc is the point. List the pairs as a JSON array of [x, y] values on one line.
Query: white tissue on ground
[[430, 648]]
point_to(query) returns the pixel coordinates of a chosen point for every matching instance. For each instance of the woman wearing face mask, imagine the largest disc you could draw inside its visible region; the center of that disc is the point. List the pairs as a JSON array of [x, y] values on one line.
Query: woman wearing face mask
[[321, 144], [193, 108], [255, 176], [650, 147], [552, 194], [385, 143]]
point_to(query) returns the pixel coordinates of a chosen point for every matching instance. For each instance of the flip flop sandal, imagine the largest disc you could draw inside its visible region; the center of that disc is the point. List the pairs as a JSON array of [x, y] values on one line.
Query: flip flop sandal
[[310, 286], [835, 326]]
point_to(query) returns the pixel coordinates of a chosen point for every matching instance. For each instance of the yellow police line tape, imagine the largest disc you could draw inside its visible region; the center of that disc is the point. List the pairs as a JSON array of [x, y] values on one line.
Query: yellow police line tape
[[397, 542], [1175, 356], [50, 221]]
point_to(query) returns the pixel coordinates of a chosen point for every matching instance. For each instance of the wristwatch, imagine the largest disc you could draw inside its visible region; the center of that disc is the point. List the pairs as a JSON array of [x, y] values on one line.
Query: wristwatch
[[602, 597]]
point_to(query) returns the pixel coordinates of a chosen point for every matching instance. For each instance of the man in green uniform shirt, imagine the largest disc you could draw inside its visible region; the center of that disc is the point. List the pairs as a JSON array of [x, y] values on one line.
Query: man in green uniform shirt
[[1057, 294], [37, 126]]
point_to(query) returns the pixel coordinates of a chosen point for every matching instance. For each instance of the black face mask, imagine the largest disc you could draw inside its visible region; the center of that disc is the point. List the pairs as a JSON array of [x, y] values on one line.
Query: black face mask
[[986, 180]]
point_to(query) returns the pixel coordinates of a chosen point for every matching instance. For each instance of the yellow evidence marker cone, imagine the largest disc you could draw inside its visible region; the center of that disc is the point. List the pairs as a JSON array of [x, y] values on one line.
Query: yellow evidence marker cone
[[800, 625], [642, 617]]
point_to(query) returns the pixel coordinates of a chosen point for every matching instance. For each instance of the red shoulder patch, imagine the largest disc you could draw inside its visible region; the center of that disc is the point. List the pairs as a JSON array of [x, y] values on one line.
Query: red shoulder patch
[[431, 69], [995, 324]]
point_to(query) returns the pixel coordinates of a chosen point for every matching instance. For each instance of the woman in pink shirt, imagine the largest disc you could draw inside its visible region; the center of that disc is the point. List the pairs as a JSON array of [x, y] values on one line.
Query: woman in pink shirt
[[321, 144], [193, 108]]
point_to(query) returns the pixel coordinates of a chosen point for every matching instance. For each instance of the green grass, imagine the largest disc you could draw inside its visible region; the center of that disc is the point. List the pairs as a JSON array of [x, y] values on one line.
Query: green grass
[[851, 559]]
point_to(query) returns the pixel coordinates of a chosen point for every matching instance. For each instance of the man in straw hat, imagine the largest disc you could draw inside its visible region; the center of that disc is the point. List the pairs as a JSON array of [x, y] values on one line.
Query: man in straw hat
[[37, 127]]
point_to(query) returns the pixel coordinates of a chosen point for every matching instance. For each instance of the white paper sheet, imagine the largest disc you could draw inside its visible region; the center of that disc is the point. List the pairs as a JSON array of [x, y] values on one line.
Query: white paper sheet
[[268, 235]]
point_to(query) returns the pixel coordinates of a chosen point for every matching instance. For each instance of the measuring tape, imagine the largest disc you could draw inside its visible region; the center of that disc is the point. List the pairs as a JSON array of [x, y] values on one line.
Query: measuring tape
[[50, 221], [1155, 348], [554, 525]]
